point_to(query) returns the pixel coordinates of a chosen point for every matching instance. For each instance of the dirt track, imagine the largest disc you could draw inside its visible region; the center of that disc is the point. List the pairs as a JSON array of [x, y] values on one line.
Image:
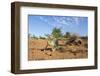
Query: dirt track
[[34, 52]]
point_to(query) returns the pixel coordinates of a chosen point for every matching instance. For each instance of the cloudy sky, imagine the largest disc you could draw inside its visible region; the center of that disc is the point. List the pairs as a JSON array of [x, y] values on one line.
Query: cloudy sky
[[40, 25]]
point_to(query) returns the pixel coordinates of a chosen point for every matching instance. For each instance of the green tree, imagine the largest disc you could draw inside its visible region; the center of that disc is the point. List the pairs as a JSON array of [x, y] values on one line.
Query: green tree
[[67, 35], [33, 36], [47, 35], [42, 37], [56, 33]]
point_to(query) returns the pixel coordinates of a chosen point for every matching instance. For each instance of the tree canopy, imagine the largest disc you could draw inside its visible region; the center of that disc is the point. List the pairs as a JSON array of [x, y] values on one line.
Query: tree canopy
[[56, 33]]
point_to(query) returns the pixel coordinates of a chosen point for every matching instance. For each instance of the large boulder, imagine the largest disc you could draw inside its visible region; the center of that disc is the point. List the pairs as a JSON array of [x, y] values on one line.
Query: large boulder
[[74, 41]]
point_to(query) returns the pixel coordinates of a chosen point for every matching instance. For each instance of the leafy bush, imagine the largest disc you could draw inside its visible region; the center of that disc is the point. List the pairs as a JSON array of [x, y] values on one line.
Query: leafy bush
[[35, 37], [56, 33], [67, 35], [42, 37]]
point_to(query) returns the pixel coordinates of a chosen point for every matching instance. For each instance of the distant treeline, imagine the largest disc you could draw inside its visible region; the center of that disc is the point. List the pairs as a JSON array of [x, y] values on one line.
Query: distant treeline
[[84, 37], [57, 33]]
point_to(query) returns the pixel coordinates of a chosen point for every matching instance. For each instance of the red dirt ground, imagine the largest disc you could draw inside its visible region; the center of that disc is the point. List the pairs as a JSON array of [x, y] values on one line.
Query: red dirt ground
[[34, 52]]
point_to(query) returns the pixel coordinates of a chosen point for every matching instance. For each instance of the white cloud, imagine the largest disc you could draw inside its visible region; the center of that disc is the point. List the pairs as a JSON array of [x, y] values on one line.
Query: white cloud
[[61, 22], [43, 19], [76, 19]]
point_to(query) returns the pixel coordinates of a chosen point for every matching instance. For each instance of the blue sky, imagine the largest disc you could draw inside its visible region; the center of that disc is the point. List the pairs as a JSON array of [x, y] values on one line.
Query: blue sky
[[39, 25]]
